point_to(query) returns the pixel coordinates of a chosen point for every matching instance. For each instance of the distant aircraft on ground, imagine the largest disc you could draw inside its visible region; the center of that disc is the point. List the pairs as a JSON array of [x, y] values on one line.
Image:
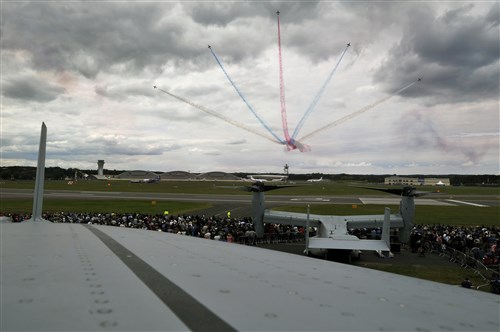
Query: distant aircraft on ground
[[265, 177], [87, 277], [315, 180], [145, 180]]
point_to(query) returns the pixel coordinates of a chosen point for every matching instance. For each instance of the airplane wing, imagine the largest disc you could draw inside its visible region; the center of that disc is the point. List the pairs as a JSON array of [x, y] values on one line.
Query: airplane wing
[[346, 243], [370, 221], [85, 277], [300, 219], [291, 218]]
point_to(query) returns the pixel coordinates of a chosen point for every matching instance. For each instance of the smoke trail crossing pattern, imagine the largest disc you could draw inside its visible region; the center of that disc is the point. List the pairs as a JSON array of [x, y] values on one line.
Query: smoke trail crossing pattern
[[358, 112], [289, 143], [318, 96], [217, 115], [243, 97]]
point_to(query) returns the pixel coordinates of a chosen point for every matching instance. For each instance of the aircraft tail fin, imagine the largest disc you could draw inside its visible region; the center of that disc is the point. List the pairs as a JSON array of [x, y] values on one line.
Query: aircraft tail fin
[[386, 227], [40, 177], [258, 213], [407, 211]]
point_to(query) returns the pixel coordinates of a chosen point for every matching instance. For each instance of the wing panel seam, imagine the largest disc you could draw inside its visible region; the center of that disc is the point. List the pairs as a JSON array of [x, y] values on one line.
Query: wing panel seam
[[193, 313]]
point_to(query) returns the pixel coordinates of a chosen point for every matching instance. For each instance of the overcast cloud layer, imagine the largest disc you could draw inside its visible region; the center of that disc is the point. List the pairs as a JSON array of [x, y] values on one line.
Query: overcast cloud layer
[[88, 69]]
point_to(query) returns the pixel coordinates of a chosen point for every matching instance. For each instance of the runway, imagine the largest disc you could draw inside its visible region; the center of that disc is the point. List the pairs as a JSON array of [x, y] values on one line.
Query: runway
[[240, 205]]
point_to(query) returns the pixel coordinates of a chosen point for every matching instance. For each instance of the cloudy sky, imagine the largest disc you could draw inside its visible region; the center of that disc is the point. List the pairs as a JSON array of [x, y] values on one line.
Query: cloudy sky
[[88, 69]]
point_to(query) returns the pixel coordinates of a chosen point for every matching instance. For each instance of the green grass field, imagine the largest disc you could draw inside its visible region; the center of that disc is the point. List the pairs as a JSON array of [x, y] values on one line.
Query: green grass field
[[22, 206], [452, 275], [230, 187], [450, 215]]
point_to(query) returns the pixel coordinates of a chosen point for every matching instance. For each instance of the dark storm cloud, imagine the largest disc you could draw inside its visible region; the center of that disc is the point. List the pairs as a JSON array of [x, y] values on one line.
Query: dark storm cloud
[[456, 53], [455, 39], [117, 145], [324, 34], [30, 88], [90, 38], [222, 14], [20, 146], [241, 30], [26, 147], [493, 16]]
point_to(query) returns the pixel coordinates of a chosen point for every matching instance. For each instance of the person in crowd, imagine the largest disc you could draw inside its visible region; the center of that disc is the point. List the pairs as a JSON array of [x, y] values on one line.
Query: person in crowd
[[466, 283]]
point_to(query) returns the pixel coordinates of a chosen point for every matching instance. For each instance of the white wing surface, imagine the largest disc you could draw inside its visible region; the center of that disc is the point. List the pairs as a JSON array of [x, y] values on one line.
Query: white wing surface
[[84, 277]]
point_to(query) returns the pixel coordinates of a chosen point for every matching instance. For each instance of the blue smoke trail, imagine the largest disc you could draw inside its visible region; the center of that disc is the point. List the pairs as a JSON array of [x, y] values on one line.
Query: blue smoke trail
[[243, 97], [318, 96]]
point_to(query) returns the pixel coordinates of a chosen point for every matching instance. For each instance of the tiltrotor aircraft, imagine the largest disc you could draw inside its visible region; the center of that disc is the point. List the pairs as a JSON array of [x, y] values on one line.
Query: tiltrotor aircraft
[[332, 231]]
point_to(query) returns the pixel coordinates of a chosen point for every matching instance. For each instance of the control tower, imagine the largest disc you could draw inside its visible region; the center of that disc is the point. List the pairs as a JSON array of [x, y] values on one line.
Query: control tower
[[100, 167]]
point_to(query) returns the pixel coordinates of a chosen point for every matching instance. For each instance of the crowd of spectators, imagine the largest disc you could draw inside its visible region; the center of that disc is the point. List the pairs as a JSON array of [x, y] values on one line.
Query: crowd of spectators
[[480, 242], [222, 228]]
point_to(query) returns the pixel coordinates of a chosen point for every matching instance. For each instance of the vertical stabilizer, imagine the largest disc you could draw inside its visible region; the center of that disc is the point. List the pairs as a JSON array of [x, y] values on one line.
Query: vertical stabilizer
[[386, 227], [40, 178], [258, 213], [407, 211]]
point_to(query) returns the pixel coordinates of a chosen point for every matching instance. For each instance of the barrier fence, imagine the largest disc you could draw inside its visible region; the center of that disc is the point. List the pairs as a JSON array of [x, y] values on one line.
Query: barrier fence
[[468, 262]]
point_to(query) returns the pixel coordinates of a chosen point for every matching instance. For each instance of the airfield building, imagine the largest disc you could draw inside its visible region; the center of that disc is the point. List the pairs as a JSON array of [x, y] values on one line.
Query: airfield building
[[178, 176], [218, 176], [413, 181], [137, 175]]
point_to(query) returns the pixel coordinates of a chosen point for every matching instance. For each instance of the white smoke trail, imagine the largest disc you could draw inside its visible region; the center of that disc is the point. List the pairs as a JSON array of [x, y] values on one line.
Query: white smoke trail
[[218, 115], [354, 114]]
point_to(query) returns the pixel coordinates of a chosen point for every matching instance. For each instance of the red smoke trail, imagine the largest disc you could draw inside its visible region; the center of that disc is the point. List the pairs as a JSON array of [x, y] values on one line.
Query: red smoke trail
[[289, 143]]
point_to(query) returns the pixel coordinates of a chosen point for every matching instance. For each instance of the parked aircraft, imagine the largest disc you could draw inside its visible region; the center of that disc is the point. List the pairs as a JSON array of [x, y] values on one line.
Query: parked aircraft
[[145, 180], [265, 177], [315, 180], [75, 277], [333, 234]]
